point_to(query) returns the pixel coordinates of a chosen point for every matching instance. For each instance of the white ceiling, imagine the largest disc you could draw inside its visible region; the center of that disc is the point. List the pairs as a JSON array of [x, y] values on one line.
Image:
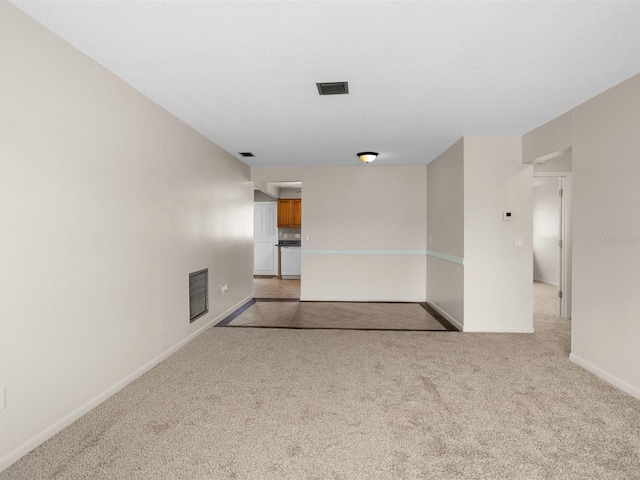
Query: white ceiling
[[421, 74]]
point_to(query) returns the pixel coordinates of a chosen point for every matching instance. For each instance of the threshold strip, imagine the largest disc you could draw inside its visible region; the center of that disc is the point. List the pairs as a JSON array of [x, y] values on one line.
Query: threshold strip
[[439, 318]]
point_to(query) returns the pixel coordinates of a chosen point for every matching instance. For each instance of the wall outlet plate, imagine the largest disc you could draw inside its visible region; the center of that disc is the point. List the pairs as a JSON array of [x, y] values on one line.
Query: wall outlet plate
[[507, 216]]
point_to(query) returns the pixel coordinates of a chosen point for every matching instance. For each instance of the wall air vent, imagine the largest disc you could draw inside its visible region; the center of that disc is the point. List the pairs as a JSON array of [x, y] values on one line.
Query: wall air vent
[[198, 294], [333, 88], [246, 154]]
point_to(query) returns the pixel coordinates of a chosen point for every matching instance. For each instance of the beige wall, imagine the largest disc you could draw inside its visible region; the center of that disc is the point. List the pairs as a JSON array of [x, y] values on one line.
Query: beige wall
[[261, 197], [552, 138], [445, 231], [107, 202], [363, 231], [290, 193], [561, 163], [497, 275], [606, 229], [469, 187]]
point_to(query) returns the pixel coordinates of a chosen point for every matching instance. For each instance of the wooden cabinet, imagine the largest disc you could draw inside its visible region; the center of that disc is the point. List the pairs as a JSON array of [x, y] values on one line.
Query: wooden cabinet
[[290, 213]]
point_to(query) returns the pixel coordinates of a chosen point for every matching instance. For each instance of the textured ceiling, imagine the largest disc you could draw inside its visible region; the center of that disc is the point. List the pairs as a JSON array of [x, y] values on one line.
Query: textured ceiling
[[421, 74]]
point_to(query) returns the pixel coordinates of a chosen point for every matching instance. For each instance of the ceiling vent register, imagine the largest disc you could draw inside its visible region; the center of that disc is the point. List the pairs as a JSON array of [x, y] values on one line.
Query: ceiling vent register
[[333, 88]]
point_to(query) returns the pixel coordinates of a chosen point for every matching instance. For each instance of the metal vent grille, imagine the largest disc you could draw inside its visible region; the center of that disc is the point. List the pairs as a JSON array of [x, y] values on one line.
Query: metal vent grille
[[333, 88], [246, 154], [198, 294]]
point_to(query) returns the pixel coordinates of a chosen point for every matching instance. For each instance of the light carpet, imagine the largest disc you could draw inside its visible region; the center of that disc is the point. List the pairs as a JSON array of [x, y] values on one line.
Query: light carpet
[[339, 404]]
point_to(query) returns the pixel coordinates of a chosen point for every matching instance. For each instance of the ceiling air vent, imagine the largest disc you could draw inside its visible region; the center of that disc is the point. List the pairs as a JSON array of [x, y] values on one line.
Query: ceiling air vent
[[333, 88], [246, 154]]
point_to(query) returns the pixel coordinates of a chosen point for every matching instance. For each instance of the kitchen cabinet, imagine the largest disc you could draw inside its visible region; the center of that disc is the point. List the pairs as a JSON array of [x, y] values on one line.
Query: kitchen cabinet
[[290, 213]]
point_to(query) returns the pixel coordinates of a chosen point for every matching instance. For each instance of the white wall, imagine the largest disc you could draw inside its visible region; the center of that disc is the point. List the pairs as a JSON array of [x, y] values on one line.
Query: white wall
[[363, 231], [268, 189], [606, 230], [290, 193], [445, 231], [107, 202], [497, 275], [261, 197], [546, 230], [548, 140], [561, 163]]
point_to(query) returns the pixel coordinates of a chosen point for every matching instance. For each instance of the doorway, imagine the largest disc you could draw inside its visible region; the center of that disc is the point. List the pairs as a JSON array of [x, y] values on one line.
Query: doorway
[[265, 239], [552, 181], [277, 243]]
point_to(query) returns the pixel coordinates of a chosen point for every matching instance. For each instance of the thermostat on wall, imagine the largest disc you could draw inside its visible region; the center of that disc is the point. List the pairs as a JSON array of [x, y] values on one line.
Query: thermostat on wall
[[507, 216]]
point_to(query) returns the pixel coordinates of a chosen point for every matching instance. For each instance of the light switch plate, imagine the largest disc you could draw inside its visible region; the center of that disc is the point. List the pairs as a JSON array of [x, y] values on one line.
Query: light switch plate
[[519, 242], [507, 216]]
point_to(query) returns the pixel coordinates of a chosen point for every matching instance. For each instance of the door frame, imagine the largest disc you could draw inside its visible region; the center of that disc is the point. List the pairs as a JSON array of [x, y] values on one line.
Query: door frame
[[565, 251]]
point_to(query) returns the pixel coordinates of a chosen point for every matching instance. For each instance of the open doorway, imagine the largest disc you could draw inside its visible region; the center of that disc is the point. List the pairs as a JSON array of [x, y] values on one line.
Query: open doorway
[[552, 234], [277, 240]]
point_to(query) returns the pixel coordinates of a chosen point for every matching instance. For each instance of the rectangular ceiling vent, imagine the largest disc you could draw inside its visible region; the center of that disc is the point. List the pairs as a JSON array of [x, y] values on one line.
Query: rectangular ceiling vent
[[333, 88], [246, 154]]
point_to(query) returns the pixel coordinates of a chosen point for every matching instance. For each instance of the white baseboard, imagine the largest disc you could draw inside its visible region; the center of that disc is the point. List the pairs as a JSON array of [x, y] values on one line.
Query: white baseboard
[[448, 317], [545, 281], [47, 433], [607, 377], [500, 330]]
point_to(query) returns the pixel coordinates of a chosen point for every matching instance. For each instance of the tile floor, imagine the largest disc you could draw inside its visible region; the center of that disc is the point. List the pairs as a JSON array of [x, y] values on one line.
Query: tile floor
[[275, 288], [337, 315]]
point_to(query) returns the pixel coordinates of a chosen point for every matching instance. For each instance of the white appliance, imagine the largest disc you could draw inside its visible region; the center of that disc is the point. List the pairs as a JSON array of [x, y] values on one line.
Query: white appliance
[[291, 261]]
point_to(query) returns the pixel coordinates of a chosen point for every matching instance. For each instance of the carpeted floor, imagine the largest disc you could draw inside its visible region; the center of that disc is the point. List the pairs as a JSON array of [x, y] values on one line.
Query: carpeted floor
[[338, 404]]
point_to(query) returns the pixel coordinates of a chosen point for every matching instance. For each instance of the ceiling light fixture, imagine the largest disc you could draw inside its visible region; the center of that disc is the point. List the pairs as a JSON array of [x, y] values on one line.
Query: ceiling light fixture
[[367, 157]]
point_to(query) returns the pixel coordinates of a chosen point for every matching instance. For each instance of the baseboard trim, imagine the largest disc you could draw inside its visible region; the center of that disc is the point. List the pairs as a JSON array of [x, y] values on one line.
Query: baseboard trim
[[19, 452], [446, 315], [500, 330], [606, 376], [544, 281]]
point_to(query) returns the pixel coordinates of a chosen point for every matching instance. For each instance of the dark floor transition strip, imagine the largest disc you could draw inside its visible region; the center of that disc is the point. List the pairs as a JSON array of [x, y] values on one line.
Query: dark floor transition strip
[[234, 315], [443, 321]]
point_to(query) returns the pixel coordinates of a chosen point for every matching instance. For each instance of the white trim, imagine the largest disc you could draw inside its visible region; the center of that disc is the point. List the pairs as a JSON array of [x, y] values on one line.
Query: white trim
[[550, 156], [448, 317], [362, 252], [560, 173], [607, 377], [266, 192], [16, 454], [446, 257], [544, 281], [364, 299], [500, 330]]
